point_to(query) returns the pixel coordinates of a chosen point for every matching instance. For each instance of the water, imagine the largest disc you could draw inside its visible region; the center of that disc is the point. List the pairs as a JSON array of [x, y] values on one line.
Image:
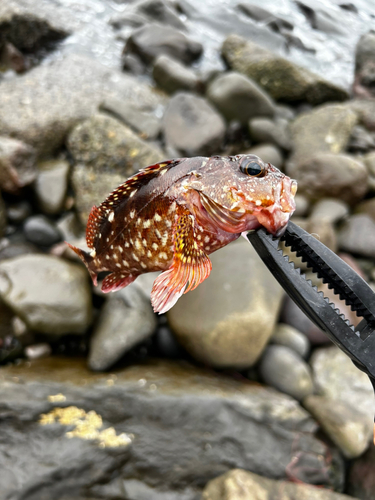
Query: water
[[210, 21]]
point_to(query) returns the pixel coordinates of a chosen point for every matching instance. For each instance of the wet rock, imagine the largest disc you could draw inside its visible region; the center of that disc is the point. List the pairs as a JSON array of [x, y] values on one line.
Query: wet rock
[[282, 79], [41, 231], [148, 11], [329, 209], [8, 249], [52, 296], [17, 164], [325, 129], [18, 212], [173, 428], [126, 319], [321, 18], [51, 185], [269, 153], [342, 385], [153, 40], [286, 335], [133, 64], [228, 319], [42, 106], [361, 140], [171, 76], [192, 126], [239, 98], [283, 369], [365, 66], [336, 175], [106, 152], [3, 217], [361, 482], [302, 205], [273, 131], [70, 227], [365, 109], [259, 14], [357, 236], [369, 161]]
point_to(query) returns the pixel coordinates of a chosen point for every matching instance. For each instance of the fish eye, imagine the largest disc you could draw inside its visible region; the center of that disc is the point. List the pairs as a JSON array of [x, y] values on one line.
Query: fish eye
[[252, 168]]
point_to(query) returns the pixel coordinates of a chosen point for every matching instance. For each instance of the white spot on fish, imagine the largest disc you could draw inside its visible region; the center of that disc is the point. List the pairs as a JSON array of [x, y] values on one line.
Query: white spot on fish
[[206, 239], [126, 244], [155, 246], [111, 216], [157, 217], [147, 223], [93, 253], [118, 264], [258, 202], [138, 244], [157, 232], [163, 255], [132, 193], [132, 214], [149, 254], [135, 257], [126, 263], [143, 265]]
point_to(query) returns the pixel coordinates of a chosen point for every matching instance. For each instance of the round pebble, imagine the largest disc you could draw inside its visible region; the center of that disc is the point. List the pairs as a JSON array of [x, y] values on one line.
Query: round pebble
[[41, 231]]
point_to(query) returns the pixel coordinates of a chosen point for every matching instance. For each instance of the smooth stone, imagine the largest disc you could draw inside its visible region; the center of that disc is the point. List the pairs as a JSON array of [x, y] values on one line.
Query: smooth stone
[[172, 426], [192, 126], [171, 76], [41, 231], [153, 40], [259, 14], [273, 131], [329, 209], [361, 477], [366, 207], [105, 152], [148, 11], [369, 161], [365, 109], [361, 140], [51, 185], [240, 484], [281, 78], [50, 295], [70, 226], [17, 163], [286, 335], [9, 249], [228, 320], [18, 212], [321, 18], [125, 320], [331, 175], [302, 205], [167, 344], [283, 369], [357, 236], [364, 66], [269, 153], [238, 98], [42, 106], [37, 351]]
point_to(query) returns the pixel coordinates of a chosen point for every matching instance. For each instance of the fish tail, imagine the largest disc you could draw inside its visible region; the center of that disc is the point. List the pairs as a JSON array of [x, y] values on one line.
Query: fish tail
[[88, 260]]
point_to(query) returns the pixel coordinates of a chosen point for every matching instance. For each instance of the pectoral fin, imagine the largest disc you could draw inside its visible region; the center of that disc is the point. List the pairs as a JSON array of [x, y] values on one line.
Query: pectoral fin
[[228, 220]]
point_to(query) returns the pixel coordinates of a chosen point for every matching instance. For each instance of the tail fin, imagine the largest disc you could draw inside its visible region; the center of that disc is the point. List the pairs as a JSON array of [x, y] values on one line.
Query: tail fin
[[87, 259]]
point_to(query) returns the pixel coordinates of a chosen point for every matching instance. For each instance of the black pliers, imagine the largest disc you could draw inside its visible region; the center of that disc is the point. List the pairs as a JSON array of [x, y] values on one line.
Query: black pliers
[[357, 342]]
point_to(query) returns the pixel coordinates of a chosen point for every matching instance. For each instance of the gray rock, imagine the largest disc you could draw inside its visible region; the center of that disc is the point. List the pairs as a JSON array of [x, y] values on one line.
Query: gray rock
[[51, 185], [331, 175], [12, 59], [259, 14], [241, 484], [18, 212], [70, 227], [302, 205], [3, 217], [106, 152], [369, 161], [366, 207], [329, 209], [269, 153], [126, 319], [228, 319], [153, 40], [320, 18], [365, 65], [172, 428], [274, 131], [8, 249], [325, 129], [282, 79], [40, 230], [283, 369], [239, 98], [148, 11], [361, 140], [192, 126], [42, 106], [52, 296], [358, 236], [171, 76], [288, 336], [365, 109], [17, 164], [361, 478]]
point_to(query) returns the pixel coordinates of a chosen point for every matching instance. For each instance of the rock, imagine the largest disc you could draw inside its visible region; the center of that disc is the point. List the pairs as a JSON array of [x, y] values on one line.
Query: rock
[[172, 76], [361, 140], [8, 250], [282, 79], [173, 427], [361, 481], [325, 129], [240, 485], [106, 152], [142, 121], [365, 66], [302, 205], [321, 18], [269, 153], [329, 209], [286, 335], [331, 175], [192, 126], [41, 231], [369, 161], [283, 369], [18, 212], [11, 58], [126, 319], [52, 296], [42, 106], [51, 185], [239, 98], [133, 64], [365, 109], [167, 345], [148, 11], [153, 40], [274, 131], [3, 217], [37, 351], [342, 385], [357, 236], [17, 164], [259, 14], [228, 319], [366, 207], [70, 227]]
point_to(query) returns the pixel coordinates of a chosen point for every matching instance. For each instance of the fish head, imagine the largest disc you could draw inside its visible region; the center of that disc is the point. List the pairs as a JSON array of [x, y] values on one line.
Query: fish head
[[250, 192]]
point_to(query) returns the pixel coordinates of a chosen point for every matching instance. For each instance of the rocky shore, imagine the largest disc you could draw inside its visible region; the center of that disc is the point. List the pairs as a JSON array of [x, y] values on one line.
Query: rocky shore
[[233, 393]]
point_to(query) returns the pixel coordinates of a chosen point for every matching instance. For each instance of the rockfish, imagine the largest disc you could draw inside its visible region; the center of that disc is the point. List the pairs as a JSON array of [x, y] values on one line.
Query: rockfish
[[170, 216]]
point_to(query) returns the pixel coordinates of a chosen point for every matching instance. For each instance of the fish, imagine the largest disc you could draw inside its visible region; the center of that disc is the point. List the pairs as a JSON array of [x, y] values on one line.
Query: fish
[[171, 216]]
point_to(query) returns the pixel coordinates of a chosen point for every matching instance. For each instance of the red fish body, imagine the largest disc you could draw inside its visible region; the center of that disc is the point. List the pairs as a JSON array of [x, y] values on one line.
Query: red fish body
[[170, 216]]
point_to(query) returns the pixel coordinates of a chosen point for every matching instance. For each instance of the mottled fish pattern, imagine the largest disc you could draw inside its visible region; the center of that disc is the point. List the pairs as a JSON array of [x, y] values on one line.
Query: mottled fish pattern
[[170, 216]]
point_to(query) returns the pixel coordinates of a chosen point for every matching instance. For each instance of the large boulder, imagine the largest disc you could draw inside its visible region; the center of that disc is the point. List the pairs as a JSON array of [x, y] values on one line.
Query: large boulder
[[282, 79]]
